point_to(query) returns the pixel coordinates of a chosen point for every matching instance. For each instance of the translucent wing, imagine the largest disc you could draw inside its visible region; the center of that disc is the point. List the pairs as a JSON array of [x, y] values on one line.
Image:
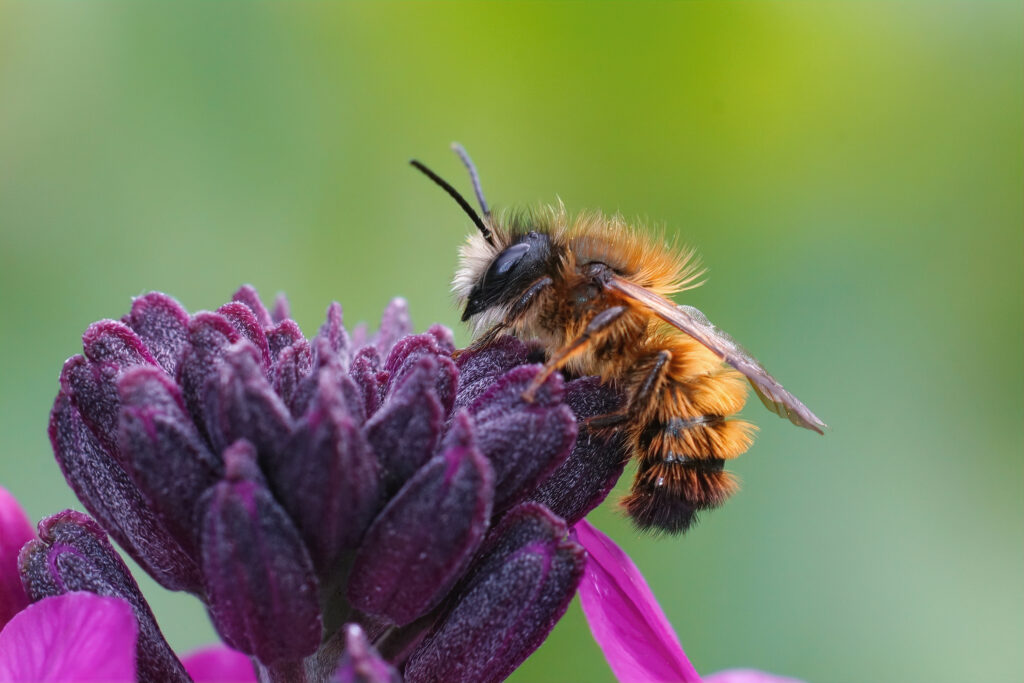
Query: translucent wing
[[694, 323]]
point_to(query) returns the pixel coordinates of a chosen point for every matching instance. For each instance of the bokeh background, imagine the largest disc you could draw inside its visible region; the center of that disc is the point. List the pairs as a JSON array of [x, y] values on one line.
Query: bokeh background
[[850, 172]]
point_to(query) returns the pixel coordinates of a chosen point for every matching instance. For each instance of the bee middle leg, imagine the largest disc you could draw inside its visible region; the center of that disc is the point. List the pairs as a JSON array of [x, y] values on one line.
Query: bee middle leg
[[599, 325]]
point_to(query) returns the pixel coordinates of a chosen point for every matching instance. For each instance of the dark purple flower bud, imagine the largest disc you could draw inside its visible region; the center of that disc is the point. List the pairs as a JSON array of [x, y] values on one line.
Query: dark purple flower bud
[[360, 663], [403, 360], [586, 478], [244, 320], [209, 336], [480, 368], [365, 370], [162, 325], [394, 324], [423, 540], [284, 334], [327, 476], [501, 417], [261, 591], [333, 332], [241, 404], [460, 432], [73, 554], [111, 348], [294, 364], [111, 496], [247, 295], [163, 451], [518, 589], [406, 429], [445, 338]]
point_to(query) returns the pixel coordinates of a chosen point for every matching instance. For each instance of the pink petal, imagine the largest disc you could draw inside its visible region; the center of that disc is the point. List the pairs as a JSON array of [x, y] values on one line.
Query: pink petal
[[625, 618], [70, 637], [747, 676], [219, 664], [15, 531]]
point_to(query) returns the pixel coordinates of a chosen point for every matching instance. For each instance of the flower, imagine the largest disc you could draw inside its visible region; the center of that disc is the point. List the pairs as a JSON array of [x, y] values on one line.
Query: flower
[[298, 485], [629, 625], [15, 531], [79, 634]]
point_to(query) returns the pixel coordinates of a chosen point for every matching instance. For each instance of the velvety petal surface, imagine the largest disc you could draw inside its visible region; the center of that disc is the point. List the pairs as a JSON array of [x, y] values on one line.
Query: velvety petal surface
[[625, 618], [162, 325], [586, 478], [72, 637], [327, 476], [424, 539], [406, 429], [747, 676], [518, 591], [110, 495], [163, 451], [480, 368], [73, 554], [262, 593], [219, 664], [15, 531], [525, 441], [241, 404]]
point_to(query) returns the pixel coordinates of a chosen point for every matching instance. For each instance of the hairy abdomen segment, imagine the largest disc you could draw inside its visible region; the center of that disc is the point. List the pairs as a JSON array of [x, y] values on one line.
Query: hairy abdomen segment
[[681, 401]]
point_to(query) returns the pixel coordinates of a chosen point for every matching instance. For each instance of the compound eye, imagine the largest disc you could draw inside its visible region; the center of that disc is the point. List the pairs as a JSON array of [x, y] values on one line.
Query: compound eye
[[506, 261]]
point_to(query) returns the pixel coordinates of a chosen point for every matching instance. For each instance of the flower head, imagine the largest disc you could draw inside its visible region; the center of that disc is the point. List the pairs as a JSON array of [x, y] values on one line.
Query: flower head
[[88, 625], [295, 485]]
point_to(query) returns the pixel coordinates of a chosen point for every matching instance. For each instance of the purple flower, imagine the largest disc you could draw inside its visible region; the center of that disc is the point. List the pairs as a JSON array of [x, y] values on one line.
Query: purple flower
[[15, 531], [629, 625], [78, 635], [297, 485]]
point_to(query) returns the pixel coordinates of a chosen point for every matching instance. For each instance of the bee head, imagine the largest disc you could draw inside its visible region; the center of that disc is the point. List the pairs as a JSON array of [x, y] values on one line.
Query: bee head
[[507, 271], [510, 273]]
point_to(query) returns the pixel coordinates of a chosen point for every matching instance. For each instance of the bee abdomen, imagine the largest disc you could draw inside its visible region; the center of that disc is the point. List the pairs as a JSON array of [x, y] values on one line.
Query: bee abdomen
[[684, 438], [700, 437], [667, 496]]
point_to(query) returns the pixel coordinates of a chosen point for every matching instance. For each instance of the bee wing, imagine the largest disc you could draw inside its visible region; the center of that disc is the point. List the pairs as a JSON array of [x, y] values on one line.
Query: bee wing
[[694, 323]]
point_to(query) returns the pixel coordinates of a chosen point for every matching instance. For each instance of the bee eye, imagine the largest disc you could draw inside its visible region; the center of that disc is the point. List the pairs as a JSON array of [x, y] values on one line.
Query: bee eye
[[510, 273], [506, 261]]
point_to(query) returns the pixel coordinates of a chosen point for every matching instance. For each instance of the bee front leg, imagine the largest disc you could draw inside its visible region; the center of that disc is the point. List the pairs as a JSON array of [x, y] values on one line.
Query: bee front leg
[[600, 323], [515, 312]]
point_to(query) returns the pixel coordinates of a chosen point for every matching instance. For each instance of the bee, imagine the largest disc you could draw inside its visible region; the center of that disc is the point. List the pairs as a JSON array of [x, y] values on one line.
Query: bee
[[594, 291]]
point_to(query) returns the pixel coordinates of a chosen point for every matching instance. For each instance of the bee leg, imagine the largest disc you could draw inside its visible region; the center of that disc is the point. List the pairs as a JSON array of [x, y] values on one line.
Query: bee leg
[[600, 323], [640, 398]]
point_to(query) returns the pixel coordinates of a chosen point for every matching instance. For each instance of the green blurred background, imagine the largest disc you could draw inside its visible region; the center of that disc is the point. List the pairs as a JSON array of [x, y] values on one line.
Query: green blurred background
[[851, 174]]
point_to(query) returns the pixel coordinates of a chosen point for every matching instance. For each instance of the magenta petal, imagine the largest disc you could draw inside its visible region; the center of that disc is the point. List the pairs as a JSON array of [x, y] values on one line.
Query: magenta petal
[[219, 664], [625, 618], [748, 676], [70, 637], [15, 531]]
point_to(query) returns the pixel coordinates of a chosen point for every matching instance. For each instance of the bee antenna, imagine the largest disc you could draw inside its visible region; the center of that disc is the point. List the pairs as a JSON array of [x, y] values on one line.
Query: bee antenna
[[484, 230], [473, 176]]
